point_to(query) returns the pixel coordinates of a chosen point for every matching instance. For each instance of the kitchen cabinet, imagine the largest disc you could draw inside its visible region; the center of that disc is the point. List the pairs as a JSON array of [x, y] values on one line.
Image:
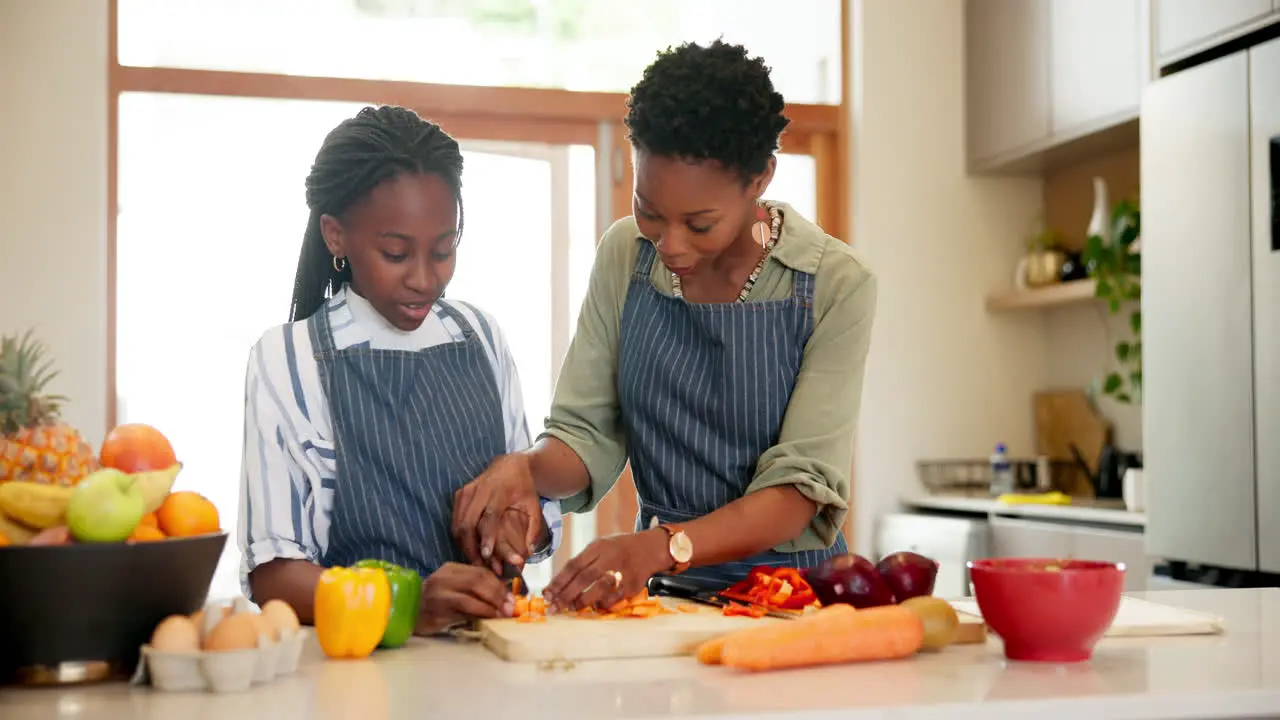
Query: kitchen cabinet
[[1095, 63], [1028, 538], [1211, 324], [1007, 75], [1043, 74], [1185, 27], [1011, 537], [1129, 548]]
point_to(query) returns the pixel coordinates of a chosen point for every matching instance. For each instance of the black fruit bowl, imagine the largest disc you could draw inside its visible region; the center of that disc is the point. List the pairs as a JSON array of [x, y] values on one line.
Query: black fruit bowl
[[95, 604]]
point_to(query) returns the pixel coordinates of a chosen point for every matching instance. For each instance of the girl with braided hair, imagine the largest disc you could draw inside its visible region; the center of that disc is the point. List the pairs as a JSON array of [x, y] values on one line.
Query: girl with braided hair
[[379, 399]]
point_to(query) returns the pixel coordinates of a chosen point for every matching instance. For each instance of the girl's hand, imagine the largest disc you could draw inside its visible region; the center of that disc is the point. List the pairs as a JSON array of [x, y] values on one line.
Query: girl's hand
[[498, 516], [456, 593], [608, 570]]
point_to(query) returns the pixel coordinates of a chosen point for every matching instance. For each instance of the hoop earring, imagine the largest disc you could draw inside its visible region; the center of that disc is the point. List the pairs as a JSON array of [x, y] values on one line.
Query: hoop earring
[[761, 229], [339, 264]]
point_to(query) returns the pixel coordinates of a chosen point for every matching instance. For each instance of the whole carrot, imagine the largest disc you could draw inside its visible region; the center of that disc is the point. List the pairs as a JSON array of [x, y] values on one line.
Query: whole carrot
[[709, 652], [835, 634]]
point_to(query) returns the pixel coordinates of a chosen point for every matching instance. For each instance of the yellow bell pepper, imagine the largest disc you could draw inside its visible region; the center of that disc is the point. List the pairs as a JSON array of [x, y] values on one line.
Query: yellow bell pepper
[[352, 608]]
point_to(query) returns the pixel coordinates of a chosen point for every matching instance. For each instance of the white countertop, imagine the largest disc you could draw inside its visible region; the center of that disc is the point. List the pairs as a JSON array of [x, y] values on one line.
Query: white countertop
[[1081, 510], [1234, 675]]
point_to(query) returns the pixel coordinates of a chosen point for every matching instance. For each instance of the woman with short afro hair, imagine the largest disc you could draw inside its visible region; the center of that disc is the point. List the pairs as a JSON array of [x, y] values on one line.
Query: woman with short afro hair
[[720, 349]]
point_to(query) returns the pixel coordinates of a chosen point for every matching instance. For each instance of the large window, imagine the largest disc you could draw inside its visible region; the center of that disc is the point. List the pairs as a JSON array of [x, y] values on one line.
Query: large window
[[206, 252], [600, 45], [210, 166]]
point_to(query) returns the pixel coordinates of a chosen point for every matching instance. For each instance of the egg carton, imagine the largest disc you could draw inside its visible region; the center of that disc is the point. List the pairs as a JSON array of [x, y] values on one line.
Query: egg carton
[[221, 671]]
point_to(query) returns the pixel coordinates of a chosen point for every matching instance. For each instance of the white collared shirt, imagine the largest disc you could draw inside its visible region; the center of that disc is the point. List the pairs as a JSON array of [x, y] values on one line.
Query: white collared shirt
[[289, 468]]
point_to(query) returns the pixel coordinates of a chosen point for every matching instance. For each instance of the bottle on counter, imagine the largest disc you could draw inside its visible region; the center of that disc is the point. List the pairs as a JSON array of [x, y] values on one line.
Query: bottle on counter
[[1001, 472]]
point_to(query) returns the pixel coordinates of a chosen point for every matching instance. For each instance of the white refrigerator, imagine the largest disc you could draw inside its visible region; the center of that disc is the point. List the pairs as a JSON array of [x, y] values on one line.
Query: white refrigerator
[[1210, 149]]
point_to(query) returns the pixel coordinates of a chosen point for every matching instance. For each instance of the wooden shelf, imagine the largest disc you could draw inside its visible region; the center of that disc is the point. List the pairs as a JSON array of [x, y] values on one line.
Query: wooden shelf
[[1067, 293]]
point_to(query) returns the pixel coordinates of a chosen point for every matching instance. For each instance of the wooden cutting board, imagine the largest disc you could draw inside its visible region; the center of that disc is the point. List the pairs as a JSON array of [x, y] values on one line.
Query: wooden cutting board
[[568, 638], [1063, 418], [1140, 618]]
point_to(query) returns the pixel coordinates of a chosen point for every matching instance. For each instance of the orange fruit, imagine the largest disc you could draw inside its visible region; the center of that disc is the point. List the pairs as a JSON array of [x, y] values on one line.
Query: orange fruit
[[134, 447], [150, 519], [186, 513], [145, 533]]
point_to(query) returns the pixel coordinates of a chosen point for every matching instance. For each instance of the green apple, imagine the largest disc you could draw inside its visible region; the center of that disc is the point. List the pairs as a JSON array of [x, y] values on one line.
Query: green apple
[[105, 507]]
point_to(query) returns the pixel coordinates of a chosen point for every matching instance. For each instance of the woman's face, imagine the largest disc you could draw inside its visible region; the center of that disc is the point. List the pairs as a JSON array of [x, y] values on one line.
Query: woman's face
[[399, 240], [693, 211]]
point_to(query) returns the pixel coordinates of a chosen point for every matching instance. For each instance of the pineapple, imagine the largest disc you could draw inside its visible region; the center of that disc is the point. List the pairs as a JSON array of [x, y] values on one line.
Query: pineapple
[[35, 446]]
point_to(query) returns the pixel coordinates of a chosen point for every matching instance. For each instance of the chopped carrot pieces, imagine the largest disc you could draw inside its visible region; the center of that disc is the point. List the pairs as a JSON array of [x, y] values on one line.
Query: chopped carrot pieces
[[641, 605]]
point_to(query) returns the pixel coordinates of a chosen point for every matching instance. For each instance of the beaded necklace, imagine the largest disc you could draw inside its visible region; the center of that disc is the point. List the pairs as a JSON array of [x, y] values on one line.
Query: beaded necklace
[[775, 227]]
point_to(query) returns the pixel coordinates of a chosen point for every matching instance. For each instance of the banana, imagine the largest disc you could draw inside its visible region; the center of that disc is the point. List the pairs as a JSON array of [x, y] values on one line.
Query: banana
[[17, 533], [35, 505], [155, 486]]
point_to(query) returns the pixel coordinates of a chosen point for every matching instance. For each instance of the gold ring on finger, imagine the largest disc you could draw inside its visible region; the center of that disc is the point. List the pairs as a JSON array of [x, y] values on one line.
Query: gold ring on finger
[[617, 578]]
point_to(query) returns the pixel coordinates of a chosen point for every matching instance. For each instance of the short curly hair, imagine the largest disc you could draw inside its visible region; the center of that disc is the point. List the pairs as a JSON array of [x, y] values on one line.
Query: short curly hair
[[708, 103]]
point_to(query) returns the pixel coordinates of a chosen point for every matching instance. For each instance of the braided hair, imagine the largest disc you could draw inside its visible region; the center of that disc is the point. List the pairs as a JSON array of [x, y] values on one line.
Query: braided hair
[[378, 144], [711, 103]]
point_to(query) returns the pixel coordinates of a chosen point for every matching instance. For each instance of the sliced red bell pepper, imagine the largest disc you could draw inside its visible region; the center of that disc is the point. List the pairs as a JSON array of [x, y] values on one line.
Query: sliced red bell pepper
[[800, 598], [782, 588], [792, 576]]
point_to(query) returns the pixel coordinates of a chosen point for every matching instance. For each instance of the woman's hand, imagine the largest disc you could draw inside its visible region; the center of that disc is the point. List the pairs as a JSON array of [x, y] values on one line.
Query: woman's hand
[[456, 593], [608, 570], [498, 516]]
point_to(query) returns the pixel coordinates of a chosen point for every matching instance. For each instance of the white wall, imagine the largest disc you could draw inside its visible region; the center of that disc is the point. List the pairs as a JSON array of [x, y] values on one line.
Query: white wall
[[944, 379], [1081, 350], [53, 191]]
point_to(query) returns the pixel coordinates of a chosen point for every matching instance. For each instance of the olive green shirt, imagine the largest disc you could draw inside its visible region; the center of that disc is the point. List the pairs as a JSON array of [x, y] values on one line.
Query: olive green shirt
[[814, 450]]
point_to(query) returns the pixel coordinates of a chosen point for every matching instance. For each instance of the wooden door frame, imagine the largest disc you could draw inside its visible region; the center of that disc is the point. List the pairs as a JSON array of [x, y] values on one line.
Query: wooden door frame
[[518, 114]]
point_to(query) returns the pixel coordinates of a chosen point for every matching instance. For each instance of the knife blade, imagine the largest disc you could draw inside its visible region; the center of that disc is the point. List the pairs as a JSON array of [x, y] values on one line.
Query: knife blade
[[514, 578], [685, 590]]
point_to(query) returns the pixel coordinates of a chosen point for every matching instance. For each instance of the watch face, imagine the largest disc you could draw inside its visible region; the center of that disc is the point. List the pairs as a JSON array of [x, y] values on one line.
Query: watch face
[[681, 548]]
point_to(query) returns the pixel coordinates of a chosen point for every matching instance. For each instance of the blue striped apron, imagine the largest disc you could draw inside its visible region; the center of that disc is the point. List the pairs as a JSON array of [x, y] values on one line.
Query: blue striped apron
[[410, 428], [703, 390]]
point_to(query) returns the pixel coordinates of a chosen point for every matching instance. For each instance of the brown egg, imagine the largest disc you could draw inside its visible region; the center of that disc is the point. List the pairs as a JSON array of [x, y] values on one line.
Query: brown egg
[[221, 610], [264, 626], [176, 634], [281, 616], [238, 632]]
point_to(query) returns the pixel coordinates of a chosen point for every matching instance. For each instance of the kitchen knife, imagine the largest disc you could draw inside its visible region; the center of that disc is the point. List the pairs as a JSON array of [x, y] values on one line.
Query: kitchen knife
[[685, 590], [511, 572]]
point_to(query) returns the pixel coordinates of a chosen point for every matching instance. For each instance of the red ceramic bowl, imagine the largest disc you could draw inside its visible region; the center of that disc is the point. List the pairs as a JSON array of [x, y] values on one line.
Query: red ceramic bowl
[[1045, 609]]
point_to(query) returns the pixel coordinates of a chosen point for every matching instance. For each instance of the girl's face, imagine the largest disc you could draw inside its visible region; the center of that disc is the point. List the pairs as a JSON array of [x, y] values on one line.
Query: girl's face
[[693, 212], [399, 240]]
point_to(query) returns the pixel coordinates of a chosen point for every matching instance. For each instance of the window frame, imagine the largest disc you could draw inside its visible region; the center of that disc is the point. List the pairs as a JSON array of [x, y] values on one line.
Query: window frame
[[484, 113]]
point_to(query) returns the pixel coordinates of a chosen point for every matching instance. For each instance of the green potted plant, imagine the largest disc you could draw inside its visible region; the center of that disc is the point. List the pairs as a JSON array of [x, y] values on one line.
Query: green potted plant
[[1116, 265]]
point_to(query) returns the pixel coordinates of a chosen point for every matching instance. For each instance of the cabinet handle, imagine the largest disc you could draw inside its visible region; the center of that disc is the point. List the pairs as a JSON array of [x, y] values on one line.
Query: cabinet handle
[[1275, 192]]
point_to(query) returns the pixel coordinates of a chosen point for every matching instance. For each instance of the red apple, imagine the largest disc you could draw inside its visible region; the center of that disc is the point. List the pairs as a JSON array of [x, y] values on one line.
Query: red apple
[[908, 574], [852, 580]]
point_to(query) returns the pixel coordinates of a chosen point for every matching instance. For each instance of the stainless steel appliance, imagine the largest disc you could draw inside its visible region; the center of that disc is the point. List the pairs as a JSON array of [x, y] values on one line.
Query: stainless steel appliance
[[1210, 153]]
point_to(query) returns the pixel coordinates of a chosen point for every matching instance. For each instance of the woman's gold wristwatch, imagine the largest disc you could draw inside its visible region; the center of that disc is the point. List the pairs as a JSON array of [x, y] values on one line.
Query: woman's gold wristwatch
[[679, 546]]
